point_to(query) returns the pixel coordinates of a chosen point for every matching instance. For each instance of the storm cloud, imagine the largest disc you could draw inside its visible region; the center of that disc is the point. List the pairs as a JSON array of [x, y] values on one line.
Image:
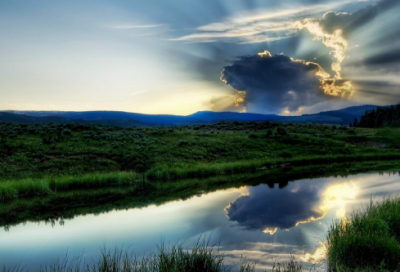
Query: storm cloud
[[270, 83]]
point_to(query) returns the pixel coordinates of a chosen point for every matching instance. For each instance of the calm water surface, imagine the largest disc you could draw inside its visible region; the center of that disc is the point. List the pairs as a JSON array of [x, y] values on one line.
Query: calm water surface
[[260, 223]]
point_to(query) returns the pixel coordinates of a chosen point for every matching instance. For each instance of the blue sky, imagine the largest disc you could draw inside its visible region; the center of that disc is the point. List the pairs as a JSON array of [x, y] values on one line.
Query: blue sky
[[168, 56]]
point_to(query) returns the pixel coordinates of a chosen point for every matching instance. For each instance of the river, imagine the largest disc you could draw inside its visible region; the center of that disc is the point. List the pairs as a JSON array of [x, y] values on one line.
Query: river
[[261, 223]]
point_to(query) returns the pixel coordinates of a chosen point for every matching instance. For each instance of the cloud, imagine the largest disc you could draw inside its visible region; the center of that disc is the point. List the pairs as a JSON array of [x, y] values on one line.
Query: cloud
[[334, 40], [138, 26], [262, 208], [273, 83], [227, 103], [333, 29], [263, 26], [348, 23]]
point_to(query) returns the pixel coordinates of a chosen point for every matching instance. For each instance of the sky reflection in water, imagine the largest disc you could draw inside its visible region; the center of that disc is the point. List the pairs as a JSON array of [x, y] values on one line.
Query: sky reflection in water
[[260, 223]]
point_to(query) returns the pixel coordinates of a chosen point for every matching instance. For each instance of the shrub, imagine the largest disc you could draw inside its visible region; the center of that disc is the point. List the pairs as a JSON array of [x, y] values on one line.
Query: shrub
[[66, 132], [183, 143], [285, 155], [281, 131]]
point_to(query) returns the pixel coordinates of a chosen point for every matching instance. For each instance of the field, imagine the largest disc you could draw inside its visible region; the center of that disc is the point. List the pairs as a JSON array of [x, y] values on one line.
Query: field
[[45, 167], [44, 159], [54, 172], [30, 151]]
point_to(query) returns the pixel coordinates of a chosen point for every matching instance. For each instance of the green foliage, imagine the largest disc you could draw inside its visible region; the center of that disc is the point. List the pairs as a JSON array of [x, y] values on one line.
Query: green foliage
[[43, 186], [42, 151], [183, 143], [281, 131], [285, 155], [369, 241]]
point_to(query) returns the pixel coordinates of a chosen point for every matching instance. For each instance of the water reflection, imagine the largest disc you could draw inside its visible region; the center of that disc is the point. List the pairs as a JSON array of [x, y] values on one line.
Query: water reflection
[[266, 209], [235, 217]]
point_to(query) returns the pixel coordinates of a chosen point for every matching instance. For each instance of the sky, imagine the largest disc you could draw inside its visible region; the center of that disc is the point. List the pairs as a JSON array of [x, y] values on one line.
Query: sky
[[286, 57]]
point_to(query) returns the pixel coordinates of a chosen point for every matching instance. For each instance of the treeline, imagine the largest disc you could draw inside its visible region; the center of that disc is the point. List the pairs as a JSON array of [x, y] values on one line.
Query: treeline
[[389, 115]]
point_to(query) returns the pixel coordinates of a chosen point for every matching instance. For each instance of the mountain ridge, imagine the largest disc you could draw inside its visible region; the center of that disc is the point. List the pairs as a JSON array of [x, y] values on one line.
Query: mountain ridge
[[120, 118]]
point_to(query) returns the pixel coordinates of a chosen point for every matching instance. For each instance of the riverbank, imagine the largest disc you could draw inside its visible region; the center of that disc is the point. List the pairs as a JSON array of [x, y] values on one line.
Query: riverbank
[[28, 187], [368, 241], [67, 203]]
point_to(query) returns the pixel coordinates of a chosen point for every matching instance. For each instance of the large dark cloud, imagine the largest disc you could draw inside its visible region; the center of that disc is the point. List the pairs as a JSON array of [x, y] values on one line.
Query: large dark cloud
[[273, 83], [263, 209]]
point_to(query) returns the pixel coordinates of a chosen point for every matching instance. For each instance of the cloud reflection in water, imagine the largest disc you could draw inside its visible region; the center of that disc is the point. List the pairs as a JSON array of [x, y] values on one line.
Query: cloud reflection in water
[[269, 209]]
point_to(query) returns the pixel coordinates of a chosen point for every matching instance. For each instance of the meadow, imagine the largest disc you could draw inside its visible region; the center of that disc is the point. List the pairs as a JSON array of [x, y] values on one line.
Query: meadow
[[49, 153], [47, 159]]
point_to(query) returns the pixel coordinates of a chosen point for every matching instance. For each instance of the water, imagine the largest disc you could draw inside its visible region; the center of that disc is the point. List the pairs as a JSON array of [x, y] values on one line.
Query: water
[[261, 223]]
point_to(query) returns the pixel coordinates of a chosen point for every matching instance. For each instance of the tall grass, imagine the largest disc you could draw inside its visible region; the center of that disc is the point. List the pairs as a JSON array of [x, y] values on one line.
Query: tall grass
[[291, 266], [201, 258], [43, 186], [167, 172], [10, 189], [370, 241]]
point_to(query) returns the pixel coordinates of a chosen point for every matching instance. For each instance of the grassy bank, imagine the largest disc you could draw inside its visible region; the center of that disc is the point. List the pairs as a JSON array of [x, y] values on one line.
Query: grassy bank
[[56, 150], [65, 204], [49, 185], [16, 188], [206, 169], [47, 159], [370, 241]]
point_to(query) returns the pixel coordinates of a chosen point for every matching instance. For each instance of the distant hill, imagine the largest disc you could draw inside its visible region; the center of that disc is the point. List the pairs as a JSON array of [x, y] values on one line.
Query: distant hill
[[122, 118], [119, 118], [334, 117], [211, 116], [25, 119]]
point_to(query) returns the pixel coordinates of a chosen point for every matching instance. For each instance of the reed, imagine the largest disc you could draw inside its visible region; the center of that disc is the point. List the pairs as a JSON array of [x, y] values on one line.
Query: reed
[[369, 241]]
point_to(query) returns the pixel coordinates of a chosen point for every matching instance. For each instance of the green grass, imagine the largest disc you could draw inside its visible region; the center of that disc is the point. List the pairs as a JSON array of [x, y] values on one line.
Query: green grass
[[200, 258], [211, 169], [10, 189], [370, 241], [27, 151], [67, 203]]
